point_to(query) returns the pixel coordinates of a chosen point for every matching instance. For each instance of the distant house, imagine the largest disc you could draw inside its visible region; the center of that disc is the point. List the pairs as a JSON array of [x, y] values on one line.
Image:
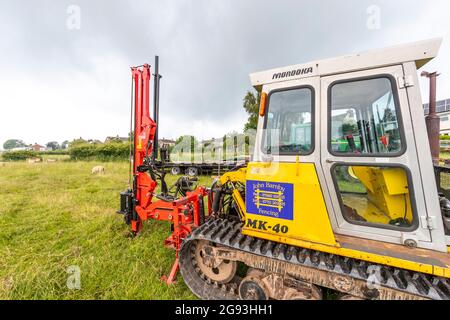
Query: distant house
[[37, 147], [94, 141], [166, 142], [443, 111], [116, 138]]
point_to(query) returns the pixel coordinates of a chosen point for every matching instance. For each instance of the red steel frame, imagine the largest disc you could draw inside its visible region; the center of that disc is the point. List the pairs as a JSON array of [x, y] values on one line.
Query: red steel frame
[[183, 213]]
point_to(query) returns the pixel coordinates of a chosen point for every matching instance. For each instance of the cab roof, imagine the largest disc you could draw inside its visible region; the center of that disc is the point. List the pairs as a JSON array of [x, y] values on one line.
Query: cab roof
[[420, 52]]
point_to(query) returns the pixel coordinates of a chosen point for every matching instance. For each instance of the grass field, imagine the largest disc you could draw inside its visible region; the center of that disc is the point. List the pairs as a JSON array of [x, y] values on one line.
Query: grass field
[[57, 215]]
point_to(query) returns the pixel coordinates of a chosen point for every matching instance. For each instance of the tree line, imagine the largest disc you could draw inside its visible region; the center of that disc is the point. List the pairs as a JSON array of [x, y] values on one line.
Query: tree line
[[11, 144], [116, 149]]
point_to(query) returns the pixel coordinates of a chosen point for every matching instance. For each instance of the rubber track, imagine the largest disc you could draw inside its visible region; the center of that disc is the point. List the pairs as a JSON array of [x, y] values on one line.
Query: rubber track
[[228, 233]]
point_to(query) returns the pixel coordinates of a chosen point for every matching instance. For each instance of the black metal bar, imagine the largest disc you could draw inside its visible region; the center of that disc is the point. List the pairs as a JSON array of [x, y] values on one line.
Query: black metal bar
[[156, 106]]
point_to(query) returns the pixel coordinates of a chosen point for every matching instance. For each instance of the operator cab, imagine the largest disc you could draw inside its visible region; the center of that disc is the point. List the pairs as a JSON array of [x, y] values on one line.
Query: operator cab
[[359, 120]]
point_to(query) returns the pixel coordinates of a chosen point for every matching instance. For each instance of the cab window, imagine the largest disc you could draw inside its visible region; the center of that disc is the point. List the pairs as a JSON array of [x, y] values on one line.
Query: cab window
[[375, 195], [289, 122], [365, 118]]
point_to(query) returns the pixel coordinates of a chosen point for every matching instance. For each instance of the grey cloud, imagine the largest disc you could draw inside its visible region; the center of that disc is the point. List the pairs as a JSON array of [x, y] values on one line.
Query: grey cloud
[[207, 50]]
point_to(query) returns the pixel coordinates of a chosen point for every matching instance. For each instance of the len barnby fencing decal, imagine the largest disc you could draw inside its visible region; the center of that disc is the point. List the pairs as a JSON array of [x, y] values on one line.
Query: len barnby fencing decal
[[271, 199]]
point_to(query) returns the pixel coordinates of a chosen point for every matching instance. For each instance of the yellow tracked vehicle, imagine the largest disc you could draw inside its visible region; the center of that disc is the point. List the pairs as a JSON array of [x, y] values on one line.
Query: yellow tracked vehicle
[[341, 195], [367, 220]]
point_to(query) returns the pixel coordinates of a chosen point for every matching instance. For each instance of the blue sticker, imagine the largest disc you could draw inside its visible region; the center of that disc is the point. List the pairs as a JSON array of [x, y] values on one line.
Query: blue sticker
[[271, 199]]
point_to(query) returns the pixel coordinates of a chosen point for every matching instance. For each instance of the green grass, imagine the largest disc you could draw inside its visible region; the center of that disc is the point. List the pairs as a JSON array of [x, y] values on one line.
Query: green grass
[[352, 187], [56, 215], [445, 155], [58, 157]]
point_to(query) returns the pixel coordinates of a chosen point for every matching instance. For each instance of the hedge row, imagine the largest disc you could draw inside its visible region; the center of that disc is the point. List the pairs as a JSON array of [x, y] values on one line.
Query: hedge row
[[19, 155], [55, 152], [103, 151]]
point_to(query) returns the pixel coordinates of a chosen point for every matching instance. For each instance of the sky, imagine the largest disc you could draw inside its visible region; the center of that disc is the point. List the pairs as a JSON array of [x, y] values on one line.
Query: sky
[[65, 65]]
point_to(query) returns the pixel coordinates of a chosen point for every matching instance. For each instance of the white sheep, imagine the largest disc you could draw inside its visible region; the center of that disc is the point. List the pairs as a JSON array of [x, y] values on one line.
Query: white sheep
[[34, 160], [98, 170]]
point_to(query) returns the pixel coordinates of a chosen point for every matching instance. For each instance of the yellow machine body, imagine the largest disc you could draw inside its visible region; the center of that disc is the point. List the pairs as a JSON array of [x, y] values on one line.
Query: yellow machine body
[[271, 187], [307, 220]]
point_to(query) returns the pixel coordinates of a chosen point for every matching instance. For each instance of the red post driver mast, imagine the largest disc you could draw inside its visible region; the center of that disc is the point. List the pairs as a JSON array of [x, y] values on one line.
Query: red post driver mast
[[183, 208]]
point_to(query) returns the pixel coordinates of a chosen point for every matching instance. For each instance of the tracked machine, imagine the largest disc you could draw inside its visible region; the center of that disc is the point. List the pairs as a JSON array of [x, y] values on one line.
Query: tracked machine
[[341, 194]]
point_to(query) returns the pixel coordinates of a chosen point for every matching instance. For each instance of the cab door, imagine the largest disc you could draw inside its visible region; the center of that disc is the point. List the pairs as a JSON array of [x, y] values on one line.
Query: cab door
[[369, 158], [284, 199]]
